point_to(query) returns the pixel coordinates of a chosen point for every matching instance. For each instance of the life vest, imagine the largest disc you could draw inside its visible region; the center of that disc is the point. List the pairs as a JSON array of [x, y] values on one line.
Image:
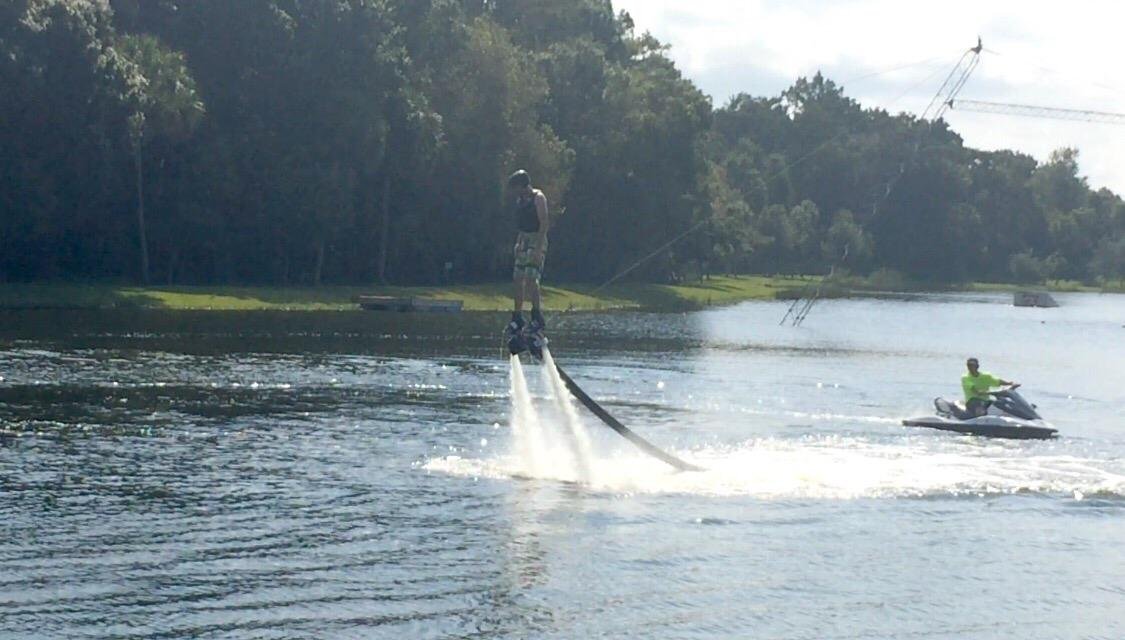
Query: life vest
[[527, 214]]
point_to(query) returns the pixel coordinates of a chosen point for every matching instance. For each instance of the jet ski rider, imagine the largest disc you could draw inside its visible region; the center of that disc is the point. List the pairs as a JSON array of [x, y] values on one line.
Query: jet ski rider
[[977, 384]]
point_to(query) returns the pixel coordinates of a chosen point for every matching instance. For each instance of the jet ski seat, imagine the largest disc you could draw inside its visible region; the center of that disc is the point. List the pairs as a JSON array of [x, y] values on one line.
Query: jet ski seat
[[945, 407]]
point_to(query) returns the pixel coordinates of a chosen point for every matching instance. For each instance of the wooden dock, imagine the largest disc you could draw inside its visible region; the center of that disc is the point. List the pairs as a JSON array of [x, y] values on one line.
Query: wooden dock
[[391, 303]]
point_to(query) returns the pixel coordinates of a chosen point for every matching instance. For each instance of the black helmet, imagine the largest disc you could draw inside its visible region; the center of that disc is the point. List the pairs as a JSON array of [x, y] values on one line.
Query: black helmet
[[519, 179]]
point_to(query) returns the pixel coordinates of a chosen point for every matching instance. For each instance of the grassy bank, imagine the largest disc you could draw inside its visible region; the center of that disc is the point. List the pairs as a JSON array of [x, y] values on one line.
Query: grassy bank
[[1060, 286], [478, 297]]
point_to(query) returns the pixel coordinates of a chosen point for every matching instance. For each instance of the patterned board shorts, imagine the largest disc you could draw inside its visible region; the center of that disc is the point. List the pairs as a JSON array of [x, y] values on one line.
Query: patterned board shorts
[[528, 265]]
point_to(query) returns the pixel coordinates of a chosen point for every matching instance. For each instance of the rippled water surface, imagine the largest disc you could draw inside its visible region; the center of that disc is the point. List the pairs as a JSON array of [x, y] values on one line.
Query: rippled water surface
[[357, 476]]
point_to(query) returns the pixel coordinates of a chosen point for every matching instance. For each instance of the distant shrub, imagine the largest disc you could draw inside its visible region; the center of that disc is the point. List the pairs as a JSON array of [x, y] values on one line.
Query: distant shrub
[[1026, 268], [1108, 263], [888, 280]]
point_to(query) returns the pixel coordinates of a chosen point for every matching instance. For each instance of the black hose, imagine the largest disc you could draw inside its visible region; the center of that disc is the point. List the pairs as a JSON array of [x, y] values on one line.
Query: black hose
[[628, 434]]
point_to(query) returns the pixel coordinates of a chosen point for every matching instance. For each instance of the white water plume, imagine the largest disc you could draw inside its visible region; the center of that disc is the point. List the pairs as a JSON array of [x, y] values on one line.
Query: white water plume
[[527, 433], [548, 441], [581, 450]]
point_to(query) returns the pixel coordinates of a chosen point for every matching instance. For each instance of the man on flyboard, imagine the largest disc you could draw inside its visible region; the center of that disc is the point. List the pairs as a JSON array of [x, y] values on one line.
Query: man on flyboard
[[532, 222]]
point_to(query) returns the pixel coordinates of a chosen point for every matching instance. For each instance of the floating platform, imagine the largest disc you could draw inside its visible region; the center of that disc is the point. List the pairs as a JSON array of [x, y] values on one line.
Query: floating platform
[[1034, 299], [391, 303]]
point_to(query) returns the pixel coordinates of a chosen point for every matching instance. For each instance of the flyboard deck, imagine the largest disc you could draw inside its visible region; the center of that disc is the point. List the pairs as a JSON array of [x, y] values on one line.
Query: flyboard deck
[[628, 434]]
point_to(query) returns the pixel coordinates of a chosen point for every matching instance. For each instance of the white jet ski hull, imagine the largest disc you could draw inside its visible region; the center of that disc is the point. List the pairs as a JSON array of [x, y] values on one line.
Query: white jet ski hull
[[988, 427]]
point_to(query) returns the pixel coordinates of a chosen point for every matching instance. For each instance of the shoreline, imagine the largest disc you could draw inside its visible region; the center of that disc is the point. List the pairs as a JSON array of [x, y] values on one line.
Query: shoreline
[[715, 291]]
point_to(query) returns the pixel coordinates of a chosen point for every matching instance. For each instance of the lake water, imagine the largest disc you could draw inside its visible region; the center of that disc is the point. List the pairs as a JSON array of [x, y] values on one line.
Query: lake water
[[349, 475]]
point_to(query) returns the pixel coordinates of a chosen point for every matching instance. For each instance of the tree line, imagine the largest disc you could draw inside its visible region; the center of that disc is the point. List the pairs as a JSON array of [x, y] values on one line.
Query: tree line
[[358, 141]]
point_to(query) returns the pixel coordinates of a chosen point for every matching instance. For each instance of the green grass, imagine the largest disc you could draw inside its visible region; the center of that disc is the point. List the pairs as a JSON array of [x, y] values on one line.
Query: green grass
[[476, 297], [1050, 285], [718, 290], [891, 281]]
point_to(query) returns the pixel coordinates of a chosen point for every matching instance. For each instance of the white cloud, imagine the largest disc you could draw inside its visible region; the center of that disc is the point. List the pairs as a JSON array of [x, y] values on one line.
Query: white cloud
[[1062, 54]]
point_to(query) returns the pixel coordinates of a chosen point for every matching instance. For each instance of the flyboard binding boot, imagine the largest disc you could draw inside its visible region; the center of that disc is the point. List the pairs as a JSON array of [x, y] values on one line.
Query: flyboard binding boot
[[520, 336]]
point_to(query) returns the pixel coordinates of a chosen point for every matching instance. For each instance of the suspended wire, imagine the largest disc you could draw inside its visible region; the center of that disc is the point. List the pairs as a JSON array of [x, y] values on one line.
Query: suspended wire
[[938, 97], [902, 166], [944, 97], [958, 81], [811, 300], [664, 247], [915, 86], [956, 89], [1116, 90], [939, 104], [953, 83], [881, 72], [699, 225]]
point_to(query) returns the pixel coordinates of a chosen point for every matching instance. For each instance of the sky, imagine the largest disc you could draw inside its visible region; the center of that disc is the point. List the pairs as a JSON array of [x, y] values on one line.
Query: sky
[[894, 54]]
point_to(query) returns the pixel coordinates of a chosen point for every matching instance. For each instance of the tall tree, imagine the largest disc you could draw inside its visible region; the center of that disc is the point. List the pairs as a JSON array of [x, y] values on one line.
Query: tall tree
[[62, 110], [361, 140], [166, 109]]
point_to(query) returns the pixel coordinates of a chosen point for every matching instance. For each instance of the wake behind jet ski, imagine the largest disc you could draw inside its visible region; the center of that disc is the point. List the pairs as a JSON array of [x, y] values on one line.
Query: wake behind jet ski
[[1008, 415]]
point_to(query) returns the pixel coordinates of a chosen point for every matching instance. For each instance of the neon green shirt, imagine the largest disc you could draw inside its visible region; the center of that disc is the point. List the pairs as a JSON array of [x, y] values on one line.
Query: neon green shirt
[[979, 385]]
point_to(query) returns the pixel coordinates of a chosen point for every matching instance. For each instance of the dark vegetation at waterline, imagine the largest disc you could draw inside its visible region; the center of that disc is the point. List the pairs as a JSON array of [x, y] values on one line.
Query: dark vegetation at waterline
[[293, 142]]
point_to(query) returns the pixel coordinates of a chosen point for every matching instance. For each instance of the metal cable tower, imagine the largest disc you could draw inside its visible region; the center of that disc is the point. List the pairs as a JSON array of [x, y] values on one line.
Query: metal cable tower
[[939, 104], [1031, 111]]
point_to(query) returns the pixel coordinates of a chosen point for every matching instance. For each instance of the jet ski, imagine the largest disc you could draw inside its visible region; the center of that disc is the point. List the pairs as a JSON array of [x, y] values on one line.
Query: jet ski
[[1009, 415]]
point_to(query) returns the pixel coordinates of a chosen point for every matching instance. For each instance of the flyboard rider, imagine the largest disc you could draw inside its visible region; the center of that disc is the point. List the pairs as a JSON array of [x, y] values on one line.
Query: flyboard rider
[[532, 222]]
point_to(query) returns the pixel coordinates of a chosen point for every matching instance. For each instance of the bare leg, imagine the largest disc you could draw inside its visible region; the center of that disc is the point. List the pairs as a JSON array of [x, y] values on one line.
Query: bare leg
[[533, 286], [519, 293], [536, 312]]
